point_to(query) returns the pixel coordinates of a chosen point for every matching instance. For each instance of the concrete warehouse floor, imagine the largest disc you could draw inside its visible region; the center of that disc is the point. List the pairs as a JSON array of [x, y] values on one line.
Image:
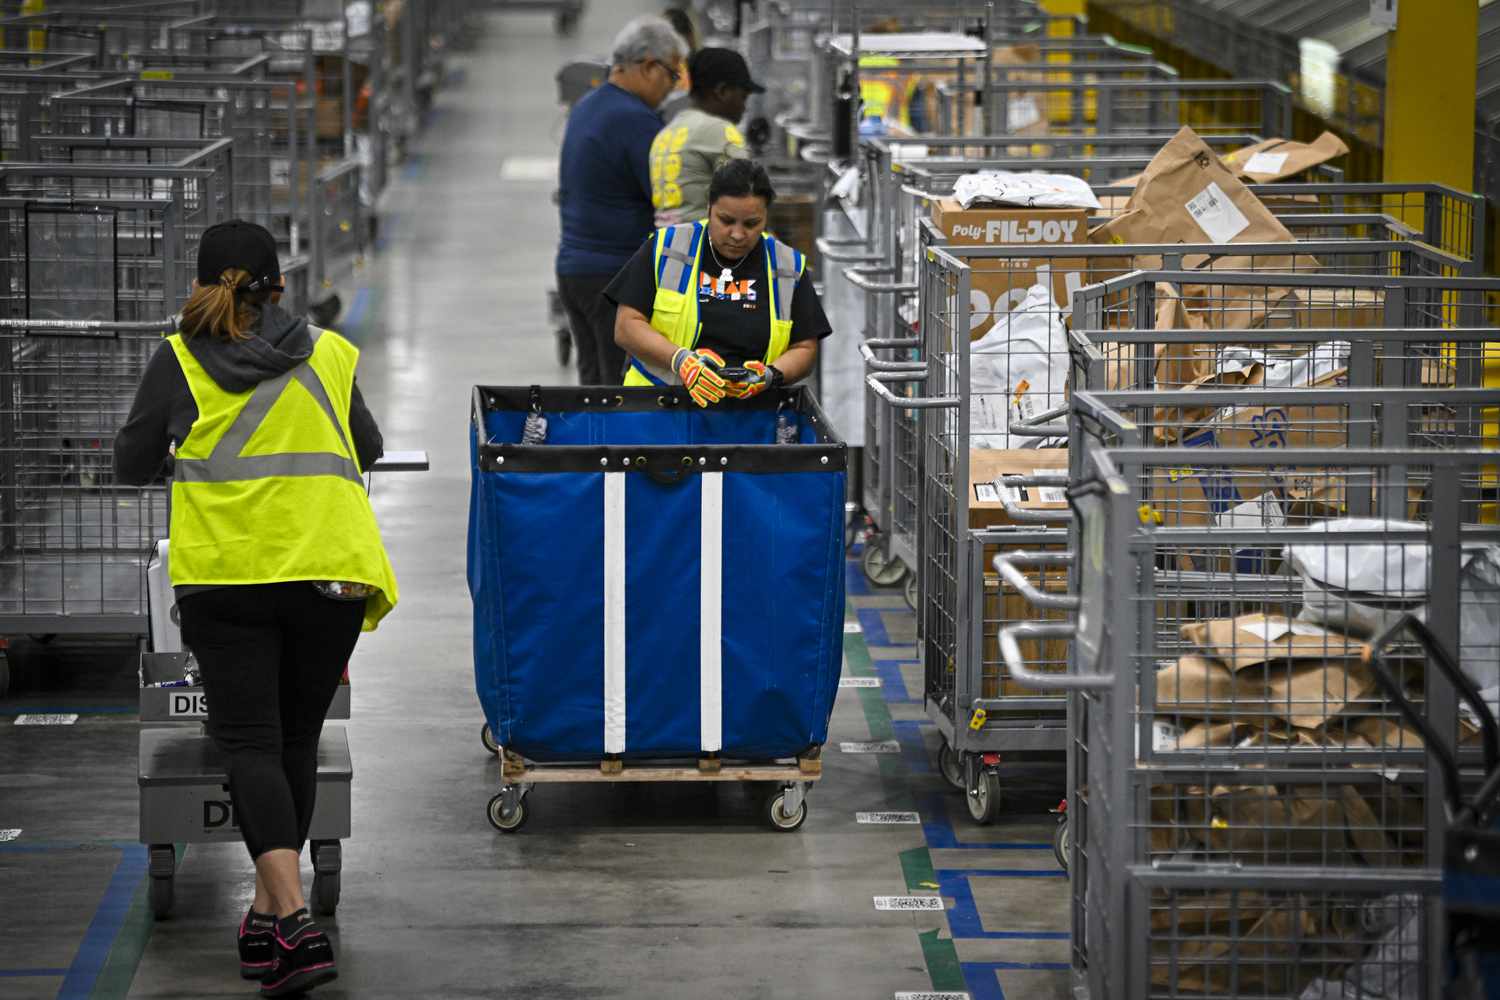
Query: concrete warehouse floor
[[637, 891]]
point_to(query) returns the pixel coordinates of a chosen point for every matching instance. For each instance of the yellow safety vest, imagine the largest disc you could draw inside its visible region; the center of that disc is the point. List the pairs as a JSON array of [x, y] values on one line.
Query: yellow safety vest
[[267, 487], [885, 95], [674, 311]]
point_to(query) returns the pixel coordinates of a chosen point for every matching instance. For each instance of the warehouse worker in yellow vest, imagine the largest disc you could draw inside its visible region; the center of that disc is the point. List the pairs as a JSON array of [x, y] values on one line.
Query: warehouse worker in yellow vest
[[719, 305], [276, 560]]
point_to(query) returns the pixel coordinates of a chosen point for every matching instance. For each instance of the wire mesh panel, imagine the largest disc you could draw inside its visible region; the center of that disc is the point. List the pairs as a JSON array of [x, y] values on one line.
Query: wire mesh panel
[[73, 543], [1260, 820], [338, 236]]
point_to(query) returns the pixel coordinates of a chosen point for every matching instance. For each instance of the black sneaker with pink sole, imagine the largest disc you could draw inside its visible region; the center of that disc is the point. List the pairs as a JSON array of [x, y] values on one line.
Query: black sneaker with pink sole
[[303, 958], [257, 941]]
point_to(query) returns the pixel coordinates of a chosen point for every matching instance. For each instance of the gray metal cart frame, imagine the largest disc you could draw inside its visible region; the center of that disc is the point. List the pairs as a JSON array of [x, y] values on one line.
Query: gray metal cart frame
[[1139, 922]]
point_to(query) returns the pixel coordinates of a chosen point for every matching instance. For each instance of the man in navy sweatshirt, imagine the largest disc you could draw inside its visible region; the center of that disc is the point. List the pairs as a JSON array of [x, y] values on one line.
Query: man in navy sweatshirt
[[605, 189]]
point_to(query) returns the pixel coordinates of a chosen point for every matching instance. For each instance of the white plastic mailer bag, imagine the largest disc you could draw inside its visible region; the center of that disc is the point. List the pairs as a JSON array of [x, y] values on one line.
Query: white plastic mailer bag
[[1031, 189], [1363, 588], [1017, 370]]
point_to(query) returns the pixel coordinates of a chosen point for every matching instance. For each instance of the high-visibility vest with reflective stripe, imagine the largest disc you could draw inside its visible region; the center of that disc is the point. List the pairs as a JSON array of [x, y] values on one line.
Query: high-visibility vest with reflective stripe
[[674, 311], [267, 486], [885, 95]]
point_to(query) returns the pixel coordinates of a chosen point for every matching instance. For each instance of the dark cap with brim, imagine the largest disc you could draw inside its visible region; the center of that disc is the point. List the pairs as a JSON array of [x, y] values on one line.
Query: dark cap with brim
[[238, 244], [711, 67]]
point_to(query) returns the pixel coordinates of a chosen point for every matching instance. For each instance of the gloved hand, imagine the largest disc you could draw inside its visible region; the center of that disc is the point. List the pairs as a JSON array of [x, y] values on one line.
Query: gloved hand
[[699, 371], [758, 382]]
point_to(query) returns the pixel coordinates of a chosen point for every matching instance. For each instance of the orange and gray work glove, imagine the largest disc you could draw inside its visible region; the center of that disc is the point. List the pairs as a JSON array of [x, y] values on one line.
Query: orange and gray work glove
[[762, 377], [699, 371]]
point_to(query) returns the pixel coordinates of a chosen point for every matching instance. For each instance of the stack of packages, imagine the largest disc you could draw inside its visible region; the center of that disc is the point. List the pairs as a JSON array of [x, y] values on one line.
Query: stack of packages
[[1265, 681]]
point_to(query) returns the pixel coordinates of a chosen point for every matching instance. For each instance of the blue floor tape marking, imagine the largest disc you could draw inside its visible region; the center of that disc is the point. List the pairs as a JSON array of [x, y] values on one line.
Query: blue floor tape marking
[[855, 584], [893, 683], [105, 927], [913, 751], [963, 918], [938, 830], [873, 626], [38, 973], [357, 309]]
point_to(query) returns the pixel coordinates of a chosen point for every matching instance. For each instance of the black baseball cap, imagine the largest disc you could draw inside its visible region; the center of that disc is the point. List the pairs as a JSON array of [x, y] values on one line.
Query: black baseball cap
[[710, 67], [240, 244]]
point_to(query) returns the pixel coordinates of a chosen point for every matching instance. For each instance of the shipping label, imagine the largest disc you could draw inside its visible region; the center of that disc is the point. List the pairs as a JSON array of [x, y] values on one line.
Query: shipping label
[[1216, 215]]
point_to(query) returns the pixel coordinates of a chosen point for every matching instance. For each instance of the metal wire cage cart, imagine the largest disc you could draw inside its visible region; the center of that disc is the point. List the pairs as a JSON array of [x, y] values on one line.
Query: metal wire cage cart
[[1250, 813]]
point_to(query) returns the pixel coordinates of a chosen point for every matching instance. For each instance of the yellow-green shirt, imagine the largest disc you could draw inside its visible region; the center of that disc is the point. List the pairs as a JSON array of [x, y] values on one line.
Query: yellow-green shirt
[[684, 156]]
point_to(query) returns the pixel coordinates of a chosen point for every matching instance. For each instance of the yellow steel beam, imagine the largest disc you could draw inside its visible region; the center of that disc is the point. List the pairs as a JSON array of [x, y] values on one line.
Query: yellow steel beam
[[1063, 8], [1430, 82]]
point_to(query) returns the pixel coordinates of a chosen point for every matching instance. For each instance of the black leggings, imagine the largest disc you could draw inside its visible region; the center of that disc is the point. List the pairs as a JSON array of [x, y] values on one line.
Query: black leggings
[[271, 656]]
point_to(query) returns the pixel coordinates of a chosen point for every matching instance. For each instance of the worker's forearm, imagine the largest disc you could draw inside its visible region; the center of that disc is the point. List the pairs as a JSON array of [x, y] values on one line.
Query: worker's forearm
[[638, 338], [798, 361]]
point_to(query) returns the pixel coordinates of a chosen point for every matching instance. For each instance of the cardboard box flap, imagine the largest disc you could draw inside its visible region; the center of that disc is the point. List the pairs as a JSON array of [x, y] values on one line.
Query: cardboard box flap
[[1254, 639], [1277, 159]]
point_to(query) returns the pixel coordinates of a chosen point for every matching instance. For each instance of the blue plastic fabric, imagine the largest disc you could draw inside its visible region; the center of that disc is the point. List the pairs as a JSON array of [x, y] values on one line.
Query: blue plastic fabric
[[536, 575]]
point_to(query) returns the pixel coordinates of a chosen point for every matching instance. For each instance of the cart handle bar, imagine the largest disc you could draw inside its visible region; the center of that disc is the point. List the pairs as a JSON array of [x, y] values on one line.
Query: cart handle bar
[[1010, 651], [836, 251], [1021, 515], [860, 277], [1041, 425], [874, 364], [876, 381], [1009, 564]]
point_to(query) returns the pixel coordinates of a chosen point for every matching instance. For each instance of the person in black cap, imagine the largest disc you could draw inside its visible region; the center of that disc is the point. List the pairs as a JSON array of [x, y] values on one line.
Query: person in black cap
[[702, 137], [276, 560]]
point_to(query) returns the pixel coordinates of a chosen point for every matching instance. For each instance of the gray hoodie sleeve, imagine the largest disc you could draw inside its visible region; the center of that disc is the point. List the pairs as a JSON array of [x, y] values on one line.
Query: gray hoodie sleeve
[[162, 413]]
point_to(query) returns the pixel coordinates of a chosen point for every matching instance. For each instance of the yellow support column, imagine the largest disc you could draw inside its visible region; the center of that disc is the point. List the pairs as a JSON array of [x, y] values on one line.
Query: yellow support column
[[1432, 64]]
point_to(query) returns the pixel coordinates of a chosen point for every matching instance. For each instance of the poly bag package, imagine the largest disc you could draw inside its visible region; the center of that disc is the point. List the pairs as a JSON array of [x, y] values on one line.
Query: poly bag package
[[1364, 588], [1017, 370], [1031, 189]]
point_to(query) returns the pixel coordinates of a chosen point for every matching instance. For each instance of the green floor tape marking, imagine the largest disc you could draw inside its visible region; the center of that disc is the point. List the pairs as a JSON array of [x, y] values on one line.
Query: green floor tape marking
[[125, 957], [942, 963], [939, 954], [916, 865]]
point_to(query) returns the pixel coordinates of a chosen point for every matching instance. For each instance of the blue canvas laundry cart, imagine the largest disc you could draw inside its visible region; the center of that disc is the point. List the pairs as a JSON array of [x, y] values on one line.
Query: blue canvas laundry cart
[[658, 589]]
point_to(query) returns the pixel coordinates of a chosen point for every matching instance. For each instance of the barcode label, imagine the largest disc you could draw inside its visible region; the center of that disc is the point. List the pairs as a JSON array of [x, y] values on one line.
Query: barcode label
[[859, 682], [908, 903], [986, 493], [887, 818], [1266, 163], [872, 746], [62, 719], [1216, 215]]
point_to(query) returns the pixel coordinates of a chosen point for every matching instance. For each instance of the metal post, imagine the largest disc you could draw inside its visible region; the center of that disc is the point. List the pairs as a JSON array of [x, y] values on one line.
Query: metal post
[[348, 86]]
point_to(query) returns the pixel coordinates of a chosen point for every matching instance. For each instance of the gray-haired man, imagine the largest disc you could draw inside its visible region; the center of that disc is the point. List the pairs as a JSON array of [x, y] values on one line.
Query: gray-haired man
[[605, 189]]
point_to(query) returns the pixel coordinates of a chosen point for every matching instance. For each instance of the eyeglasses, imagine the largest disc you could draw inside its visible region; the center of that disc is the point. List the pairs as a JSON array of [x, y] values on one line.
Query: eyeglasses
[[674, 75]]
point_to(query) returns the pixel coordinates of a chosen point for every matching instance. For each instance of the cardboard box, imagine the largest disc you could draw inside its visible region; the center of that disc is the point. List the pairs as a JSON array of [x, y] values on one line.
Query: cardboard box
[[1251, 640], [1320, 308], [1002, 607], [1277, 159], [988, 465], [998, 286]]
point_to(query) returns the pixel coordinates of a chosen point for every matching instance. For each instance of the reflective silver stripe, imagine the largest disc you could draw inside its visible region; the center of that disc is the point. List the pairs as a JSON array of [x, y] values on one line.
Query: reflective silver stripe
[[785, 273], [225, 464], [222, 470], [679, 263]]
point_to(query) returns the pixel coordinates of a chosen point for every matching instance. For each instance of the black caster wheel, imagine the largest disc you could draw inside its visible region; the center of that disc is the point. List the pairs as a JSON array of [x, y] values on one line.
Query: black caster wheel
[[488, 739], [880, 569], [325, 894], [780, 819], [503, 821], [983, 797], [564, 348], [328, 862], [161, 897], [1062, 845], [910, 592], [162, 868], [951, 766]]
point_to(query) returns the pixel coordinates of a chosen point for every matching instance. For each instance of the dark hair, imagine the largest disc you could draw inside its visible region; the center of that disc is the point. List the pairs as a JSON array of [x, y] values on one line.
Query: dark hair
[[741, 179], [682, 23]]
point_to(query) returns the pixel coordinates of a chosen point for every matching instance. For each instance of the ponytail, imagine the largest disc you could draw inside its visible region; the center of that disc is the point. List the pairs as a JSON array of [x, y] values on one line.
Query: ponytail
[[225, 309]]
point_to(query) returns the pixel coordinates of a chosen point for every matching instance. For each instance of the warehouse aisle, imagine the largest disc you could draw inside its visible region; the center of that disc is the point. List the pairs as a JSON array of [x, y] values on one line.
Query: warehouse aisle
[[666, 891]]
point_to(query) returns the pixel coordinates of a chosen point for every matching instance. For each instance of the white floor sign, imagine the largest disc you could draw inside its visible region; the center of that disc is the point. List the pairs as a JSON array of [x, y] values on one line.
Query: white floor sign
[[46, 720], [875, 746], [908, 903]]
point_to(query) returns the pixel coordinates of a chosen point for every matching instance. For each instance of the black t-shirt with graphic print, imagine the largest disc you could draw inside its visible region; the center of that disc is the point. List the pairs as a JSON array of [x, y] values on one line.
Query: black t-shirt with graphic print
[[733, 312]]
